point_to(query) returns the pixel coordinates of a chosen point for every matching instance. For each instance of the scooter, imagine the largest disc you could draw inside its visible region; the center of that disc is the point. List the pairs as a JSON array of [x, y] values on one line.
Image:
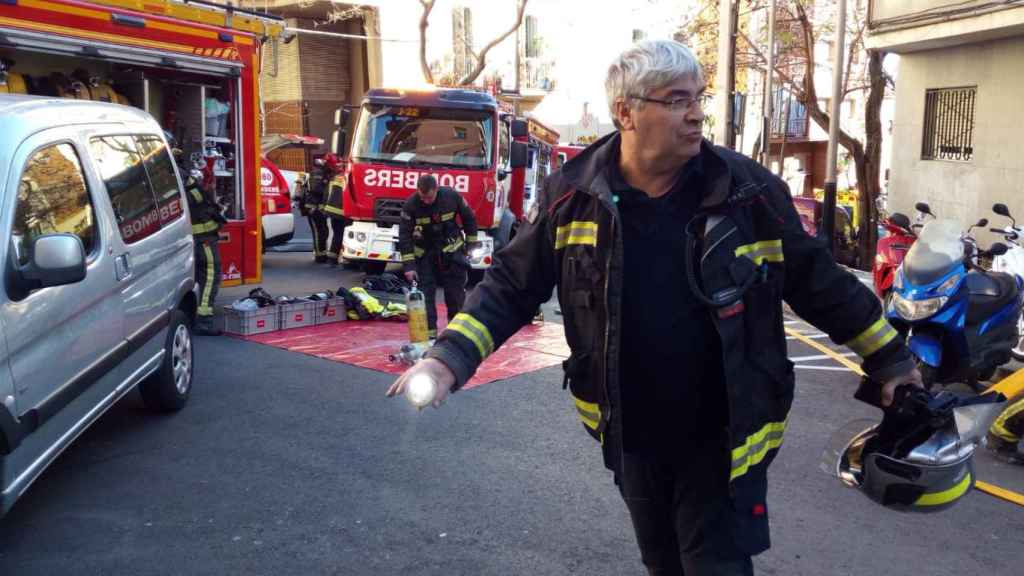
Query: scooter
[[961, 321], [890, 251], [1011, 263]]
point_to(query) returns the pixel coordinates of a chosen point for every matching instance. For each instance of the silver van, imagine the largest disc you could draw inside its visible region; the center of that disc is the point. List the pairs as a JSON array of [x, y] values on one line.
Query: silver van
[[97, 288]]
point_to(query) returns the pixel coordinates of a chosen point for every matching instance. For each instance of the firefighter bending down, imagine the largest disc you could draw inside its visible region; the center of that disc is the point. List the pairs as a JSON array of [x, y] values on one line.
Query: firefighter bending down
[[1006, 437], [206, 222], [434, 252]]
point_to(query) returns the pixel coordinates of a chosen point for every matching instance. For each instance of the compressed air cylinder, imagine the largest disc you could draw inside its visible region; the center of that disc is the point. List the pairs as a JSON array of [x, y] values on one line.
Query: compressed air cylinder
[[417, 311]]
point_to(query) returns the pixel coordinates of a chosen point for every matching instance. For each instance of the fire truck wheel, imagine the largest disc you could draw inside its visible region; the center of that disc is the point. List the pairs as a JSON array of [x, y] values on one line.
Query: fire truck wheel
[[167, 389]]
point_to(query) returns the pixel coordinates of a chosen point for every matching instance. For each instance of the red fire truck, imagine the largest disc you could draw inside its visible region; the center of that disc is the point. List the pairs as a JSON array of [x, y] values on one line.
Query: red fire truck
[[461, 136], [194, 66]]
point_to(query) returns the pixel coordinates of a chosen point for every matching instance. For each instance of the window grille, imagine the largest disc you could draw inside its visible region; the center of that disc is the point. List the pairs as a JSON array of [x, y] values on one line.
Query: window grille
[[949, 124]]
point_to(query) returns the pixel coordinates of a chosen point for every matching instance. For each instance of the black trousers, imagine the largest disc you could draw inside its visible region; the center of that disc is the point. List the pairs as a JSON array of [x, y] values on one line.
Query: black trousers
[[337, 226], [682, 516], [318, 226], [451, 277], [207, 262]]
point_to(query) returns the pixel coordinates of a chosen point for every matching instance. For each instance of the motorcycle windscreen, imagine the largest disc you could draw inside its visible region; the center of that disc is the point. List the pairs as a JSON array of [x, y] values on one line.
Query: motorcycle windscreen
[[937, 250]]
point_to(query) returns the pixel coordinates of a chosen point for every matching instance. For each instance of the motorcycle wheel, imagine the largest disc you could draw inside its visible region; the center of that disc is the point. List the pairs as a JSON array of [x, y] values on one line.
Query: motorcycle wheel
[[1018, 351]]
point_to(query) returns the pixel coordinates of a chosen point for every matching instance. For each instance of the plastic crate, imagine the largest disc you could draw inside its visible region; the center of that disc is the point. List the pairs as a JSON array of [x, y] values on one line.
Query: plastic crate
[[330, 311], [248, 322], [297, 314]]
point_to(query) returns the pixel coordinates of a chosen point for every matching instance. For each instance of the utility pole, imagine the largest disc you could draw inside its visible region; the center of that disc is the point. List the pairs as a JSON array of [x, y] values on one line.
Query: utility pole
[[766, 128], [725, 133], [828, 219]]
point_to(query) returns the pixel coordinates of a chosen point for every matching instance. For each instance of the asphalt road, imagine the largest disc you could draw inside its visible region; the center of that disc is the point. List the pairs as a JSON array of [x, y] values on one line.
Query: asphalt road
[[288, 464]]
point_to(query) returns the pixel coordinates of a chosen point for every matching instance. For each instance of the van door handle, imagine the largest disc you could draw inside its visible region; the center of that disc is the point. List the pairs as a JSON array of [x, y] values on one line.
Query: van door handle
[[123, 267]]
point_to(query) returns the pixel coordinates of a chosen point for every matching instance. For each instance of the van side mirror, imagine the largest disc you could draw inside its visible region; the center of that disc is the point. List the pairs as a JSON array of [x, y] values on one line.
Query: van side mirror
[[520, 155], [57, 259], [520, 129], [341, 116], [339, 139]]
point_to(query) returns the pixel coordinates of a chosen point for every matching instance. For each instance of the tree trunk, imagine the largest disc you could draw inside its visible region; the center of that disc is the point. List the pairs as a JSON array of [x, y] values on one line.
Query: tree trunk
[[428, 5], [869, 182], [481, 59]]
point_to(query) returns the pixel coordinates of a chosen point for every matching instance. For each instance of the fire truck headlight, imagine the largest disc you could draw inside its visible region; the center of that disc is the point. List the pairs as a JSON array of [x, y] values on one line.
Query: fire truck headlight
[[360, 237], [420, 390]]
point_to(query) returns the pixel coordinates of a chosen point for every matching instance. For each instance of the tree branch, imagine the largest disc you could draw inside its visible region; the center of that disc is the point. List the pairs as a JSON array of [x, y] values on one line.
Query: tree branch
[[428, 5], [481, 60]]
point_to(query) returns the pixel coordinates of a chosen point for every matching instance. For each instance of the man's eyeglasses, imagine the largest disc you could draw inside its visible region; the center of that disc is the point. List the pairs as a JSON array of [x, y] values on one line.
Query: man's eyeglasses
[[680, 104]]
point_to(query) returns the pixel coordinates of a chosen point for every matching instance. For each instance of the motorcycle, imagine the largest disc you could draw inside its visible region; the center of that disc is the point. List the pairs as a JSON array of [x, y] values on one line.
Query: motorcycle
[[1011, 263], [891, 251], [961, 320]]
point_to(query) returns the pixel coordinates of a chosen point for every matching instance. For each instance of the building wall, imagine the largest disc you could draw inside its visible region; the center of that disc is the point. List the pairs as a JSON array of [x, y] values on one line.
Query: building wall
[[964, 191]]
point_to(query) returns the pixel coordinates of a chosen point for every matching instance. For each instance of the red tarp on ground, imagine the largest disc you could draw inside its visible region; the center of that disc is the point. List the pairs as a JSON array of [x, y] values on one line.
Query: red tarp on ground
[[368, 344]]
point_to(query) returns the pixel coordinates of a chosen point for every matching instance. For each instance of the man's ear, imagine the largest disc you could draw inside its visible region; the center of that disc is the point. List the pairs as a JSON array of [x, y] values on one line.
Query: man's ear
[[624, 115]]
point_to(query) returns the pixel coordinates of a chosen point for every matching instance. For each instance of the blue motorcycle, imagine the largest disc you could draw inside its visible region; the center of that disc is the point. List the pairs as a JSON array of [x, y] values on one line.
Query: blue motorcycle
[[960, 320]]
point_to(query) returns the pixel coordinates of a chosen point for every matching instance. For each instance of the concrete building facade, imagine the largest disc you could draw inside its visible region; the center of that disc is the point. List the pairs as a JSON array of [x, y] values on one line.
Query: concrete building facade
[[957, 104]]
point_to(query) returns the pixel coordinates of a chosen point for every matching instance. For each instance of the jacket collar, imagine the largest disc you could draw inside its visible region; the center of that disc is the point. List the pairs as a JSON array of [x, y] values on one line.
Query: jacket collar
[[586, 172]]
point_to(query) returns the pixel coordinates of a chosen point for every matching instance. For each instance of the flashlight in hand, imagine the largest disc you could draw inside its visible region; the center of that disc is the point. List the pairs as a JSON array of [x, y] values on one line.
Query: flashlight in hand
[[421, 390]]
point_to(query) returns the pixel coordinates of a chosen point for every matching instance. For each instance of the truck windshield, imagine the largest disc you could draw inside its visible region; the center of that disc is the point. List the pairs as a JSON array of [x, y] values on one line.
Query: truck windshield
[[438, 136]]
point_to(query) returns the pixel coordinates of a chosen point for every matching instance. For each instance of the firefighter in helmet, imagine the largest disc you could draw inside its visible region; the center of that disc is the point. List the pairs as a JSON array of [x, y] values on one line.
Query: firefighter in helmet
[[206, 222], [433, 245]]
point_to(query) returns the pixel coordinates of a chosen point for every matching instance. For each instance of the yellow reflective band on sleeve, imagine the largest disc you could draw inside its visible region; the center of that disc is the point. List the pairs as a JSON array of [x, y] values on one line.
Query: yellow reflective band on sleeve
[[471, 238], [583, 233], [946, 496], [764, 251], [871, 340], [999, 427], [418, 251], [408, 257], [204, 227], [333, 210], [196, 194], [453, 246], [423, 220], [756, 447], [447, 216], [474, 331], [589, 413]]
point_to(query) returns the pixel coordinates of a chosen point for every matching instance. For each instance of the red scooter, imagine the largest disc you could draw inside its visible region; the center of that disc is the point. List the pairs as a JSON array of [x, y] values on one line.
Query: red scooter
[[890, 251]]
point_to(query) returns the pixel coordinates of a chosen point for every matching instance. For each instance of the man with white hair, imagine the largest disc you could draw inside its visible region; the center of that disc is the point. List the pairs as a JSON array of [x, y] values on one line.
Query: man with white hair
[[672, 257]]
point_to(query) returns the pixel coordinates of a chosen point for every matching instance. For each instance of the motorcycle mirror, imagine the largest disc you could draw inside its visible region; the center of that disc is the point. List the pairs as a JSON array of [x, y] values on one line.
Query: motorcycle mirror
[[923, 208], [1001, 209], [982, 223], [998, 249]]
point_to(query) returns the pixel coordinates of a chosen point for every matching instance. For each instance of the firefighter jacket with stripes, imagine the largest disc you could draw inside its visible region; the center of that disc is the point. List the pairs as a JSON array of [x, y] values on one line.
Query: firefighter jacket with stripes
[[203, 209], [435, 228], [334, 196], [746, 233]]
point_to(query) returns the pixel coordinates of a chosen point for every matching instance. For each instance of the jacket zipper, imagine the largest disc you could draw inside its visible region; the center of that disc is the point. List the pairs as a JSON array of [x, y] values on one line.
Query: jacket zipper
[[608, 308]]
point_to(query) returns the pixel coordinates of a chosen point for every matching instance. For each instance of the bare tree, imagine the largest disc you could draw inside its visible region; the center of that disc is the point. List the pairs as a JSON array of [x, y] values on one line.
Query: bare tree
[[428, 6], [481, 57]]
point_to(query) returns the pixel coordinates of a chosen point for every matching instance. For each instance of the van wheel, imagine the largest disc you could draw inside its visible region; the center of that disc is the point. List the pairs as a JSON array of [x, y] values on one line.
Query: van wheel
[[167, 389]]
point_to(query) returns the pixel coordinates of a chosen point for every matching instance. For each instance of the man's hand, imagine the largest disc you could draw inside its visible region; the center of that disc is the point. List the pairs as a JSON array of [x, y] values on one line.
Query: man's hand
[[436, 369], [889, 388], [412, 277]]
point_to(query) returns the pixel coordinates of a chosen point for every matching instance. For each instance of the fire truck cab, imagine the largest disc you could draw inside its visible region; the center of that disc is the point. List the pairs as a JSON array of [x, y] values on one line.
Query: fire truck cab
[[462, 137]]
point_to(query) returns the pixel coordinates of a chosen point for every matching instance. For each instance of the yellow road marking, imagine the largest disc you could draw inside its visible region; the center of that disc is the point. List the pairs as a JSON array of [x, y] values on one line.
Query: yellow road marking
[[1009, 386]]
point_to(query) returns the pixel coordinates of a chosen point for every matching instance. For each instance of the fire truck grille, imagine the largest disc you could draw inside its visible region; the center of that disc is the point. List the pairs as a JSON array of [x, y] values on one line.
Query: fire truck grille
[[388, 210]]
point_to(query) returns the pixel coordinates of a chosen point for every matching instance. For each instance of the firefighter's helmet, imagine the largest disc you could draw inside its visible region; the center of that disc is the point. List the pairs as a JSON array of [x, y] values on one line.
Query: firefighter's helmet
[[920, 457]]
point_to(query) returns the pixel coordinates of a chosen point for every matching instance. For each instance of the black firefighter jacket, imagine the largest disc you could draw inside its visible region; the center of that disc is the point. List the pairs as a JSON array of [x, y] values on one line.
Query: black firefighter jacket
[[746, 233], [203, 210], [433, 228]]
